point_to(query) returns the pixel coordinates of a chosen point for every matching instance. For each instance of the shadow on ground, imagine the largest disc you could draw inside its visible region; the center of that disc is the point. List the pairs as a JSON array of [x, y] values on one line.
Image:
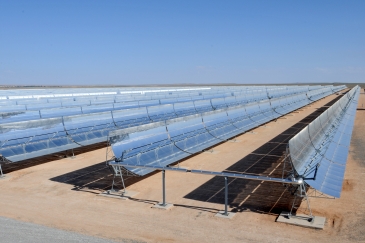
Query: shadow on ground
[[94, 178], [10, 167]]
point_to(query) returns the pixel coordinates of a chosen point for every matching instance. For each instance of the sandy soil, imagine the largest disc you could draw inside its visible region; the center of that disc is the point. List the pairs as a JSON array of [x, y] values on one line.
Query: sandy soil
[[64, 194]]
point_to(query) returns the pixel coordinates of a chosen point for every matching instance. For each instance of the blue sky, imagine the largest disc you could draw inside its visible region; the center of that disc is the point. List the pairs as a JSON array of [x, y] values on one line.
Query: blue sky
[[162, 42]]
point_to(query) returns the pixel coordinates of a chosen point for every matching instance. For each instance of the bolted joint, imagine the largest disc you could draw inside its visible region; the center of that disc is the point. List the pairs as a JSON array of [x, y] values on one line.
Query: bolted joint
[[296, 180], [299, 180]]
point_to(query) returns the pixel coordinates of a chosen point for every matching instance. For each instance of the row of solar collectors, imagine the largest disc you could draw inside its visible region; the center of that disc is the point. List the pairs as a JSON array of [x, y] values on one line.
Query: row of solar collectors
[[54, 93], [166, 142], [90, 100], [33, 103], [51, 93], [115, 97], [127, 101], [320, 150], [128, 95], [10, 114], [24, 140]]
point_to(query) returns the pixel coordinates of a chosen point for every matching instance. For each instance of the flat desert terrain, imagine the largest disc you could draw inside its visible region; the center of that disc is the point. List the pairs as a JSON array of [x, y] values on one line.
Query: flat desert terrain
[[64, 193]]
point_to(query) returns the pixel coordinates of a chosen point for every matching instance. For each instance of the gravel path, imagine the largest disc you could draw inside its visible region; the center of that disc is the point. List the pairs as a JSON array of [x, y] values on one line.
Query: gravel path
[[16, 231]]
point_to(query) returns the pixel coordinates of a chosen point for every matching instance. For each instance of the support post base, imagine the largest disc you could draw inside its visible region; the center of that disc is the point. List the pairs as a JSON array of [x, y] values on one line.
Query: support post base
[[221, 214], [317, 222], [4, 177], [167, 206], [120, 194], [211, 151]]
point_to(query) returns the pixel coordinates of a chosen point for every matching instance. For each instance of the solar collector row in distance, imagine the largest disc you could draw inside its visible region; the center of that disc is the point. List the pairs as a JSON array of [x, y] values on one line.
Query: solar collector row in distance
[[165, 142], [113, 98], [319, 152], [13, 114], [87, 100], [49, 94], [178, 107], [74, 92], [22, 140], [135, 95], [66, 102], [9, 114], [123, 101]]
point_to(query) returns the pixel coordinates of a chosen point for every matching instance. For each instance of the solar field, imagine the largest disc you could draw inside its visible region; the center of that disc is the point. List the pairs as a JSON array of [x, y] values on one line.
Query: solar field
[[245, 151]]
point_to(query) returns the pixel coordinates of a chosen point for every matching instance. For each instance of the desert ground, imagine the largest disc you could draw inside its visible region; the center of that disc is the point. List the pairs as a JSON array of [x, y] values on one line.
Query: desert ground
[[64, 193]]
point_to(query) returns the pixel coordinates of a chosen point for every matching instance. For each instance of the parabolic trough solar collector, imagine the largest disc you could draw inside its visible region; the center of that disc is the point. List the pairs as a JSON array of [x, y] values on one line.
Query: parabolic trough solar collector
[[163, 143], [319, 152], [216, 119]]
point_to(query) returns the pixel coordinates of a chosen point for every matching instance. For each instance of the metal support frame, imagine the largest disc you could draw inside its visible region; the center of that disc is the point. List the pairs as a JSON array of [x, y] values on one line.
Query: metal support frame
[[2, 160], [1, 172], [66, 154], [226, 196], [317, 194], [118, 171], [298, 190], [108, 152], [163, 205], [301, 192], [163, 189]]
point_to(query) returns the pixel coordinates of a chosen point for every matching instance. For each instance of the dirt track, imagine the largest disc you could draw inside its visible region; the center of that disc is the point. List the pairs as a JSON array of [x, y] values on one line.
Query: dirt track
[[63, 194]]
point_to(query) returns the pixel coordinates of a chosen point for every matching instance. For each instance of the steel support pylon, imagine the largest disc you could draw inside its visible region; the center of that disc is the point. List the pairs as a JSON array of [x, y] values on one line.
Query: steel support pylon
[[1, 172], [299, 191], [163, 189], [118, 171], [2, 160], [226, 196]]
